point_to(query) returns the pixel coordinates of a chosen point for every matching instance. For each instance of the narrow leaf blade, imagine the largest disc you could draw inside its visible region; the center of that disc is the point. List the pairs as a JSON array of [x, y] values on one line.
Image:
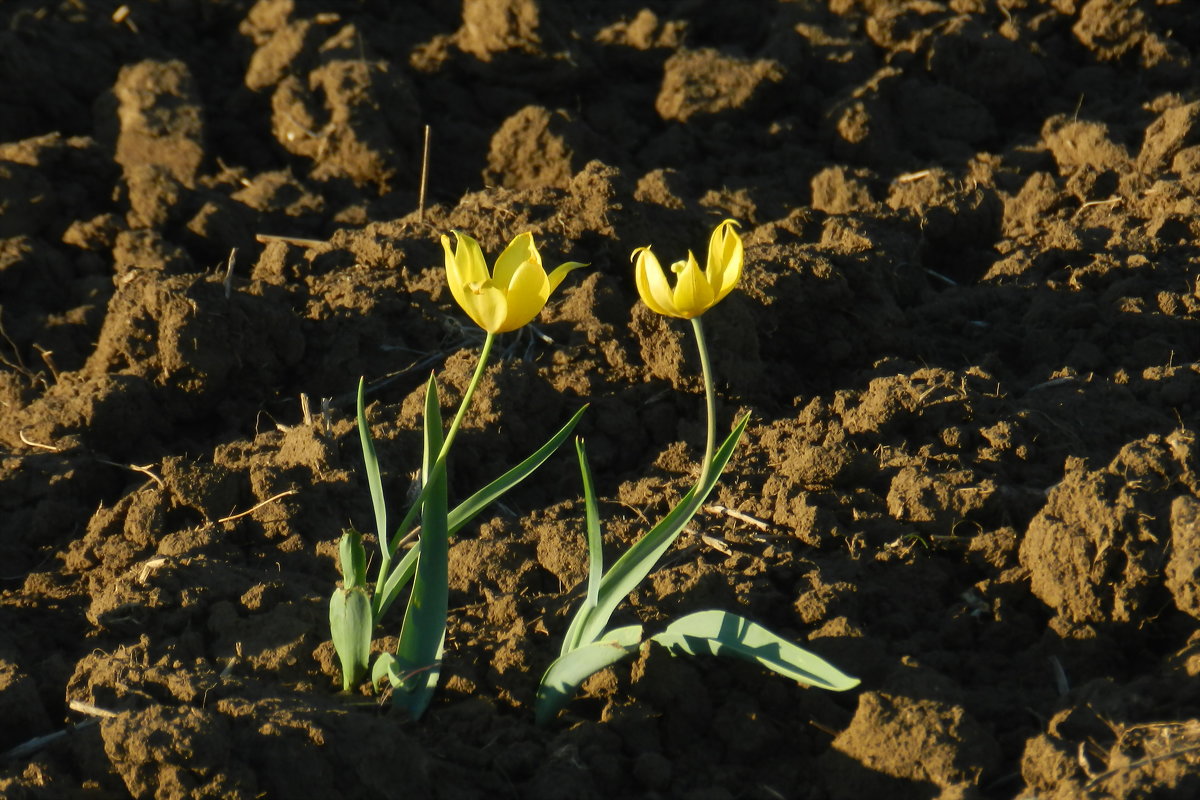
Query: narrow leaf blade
[[595, 540], [371, 463], [398, 576], [721, 633], [636, 563], [467, 510], [418, 653], [595, 545], [395, 581]]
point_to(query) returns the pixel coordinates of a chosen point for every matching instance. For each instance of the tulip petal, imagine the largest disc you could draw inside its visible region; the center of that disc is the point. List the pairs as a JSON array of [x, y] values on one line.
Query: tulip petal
[[520, 250], [527, 294], [693, 293], [457, 271], [486, 305], [469, 257], [725, 258], [561, 271], [652, 283]]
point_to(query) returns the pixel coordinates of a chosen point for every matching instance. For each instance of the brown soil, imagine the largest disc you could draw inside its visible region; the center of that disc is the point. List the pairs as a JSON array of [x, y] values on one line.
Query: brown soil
[[968, 333]]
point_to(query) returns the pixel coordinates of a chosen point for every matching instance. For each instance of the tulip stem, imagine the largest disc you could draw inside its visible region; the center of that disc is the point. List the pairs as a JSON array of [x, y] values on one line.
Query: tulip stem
[[710, 398], [440, 462], [466, 401]]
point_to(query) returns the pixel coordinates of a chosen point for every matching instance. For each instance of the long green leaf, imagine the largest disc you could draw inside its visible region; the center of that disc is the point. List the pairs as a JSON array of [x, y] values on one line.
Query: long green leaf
[[390, 585], [396, 579], [374, 478], [351, 625], [635, 564], [467, 509], [595, 539], [721, 633], [419, 650], [568, 672], [595, 542]]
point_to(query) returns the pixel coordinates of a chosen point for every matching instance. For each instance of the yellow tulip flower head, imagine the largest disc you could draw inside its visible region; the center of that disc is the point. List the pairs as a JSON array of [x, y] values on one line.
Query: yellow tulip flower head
[[695, 291], [513, 294]]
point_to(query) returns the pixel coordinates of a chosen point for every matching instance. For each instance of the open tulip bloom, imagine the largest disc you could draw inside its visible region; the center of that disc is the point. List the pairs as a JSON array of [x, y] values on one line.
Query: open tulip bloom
[[513, 294], [501, 302], [696, 290], [589, 644]]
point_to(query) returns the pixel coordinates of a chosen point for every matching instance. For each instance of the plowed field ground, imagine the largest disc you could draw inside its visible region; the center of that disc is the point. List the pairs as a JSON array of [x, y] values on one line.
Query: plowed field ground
[[968, 334]]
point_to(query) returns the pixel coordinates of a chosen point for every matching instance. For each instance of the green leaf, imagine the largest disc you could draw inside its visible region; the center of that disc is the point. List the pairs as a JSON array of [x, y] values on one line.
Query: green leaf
[[353, 559], [568, 672], [720, 633], [350, 625], [595, 542], [396, 579], [433, 434], [467, 510], [385, 667], [390, 585], [374, 479], [592, 516], [635, 564], [418, 653]]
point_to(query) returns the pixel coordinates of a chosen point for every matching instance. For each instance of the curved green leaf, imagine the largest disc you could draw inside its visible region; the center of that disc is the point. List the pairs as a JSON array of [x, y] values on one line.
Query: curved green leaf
[[721, 633], [385, 667], [635, 564], [396, 579], [467, 509], [390, 585], [419, 649], [595, 540], [595, 544], [568, 672], [371, 463]]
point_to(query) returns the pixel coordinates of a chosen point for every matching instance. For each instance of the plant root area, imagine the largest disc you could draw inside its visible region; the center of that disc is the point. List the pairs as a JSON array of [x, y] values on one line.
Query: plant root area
[[967, 333]]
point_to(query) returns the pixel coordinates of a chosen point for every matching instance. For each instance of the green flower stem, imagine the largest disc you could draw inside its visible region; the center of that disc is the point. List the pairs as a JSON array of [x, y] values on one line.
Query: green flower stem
[[710, 398], [440, 462]]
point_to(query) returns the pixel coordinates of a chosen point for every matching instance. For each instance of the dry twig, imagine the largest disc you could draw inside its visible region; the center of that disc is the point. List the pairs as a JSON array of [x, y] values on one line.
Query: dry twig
[[256, 507]]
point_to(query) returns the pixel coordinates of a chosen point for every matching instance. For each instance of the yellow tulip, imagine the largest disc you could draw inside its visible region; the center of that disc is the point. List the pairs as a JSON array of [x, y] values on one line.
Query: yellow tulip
[[513, 294], [695, 291]]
